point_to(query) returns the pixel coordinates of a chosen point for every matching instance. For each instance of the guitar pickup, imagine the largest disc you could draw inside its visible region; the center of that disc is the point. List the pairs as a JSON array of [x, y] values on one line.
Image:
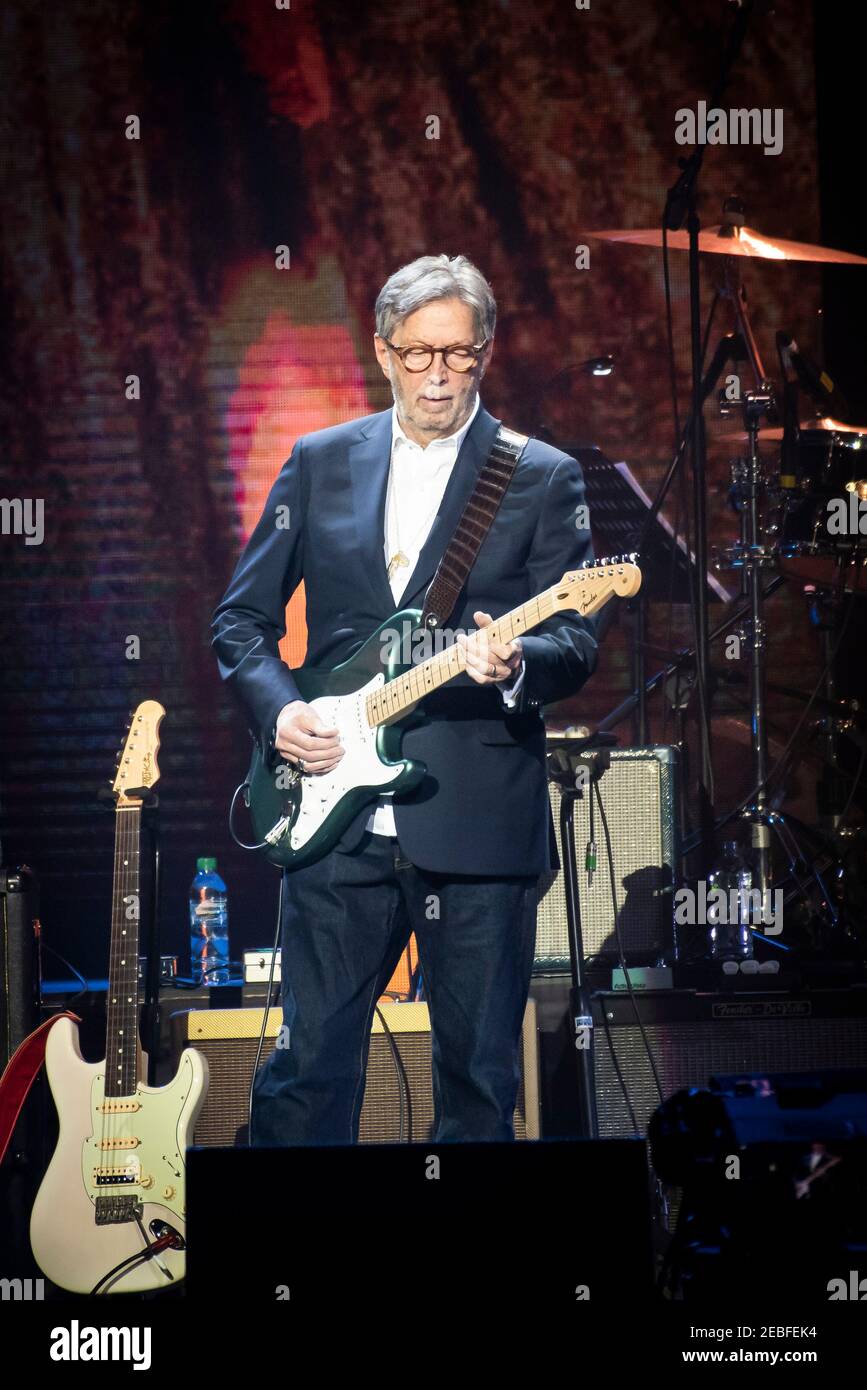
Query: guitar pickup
[[115, 1177]]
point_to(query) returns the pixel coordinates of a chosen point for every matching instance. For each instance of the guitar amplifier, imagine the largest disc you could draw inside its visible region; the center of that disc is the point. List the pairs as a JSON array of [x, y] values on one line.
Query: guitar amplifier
[[695, 1036], [229, 1038], [19, 990], [638, 794], [257, 970]]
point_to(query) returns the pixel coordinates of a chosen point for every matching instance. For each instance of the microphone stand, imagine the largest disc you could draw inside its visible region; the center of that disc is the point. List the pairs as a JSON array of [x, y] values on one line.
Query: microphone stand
[[580, 1011], [732, 347], [575, 765], [680, 204]]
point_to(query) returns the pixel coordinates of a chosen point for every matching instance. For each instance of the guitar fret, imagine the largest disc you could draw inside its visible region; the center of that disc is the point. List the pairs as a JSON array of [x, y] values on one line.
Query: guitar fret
[[406, 689], [122, 1009], [409, 687]]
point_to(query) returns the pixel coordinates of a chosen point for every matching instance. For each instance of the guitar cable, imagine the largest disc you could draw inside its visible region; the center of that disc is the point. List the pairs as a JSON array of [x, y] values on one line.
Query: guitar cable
[[169, 1241], [266, 1009], [85, 984], [402, 1081], [241, 790]]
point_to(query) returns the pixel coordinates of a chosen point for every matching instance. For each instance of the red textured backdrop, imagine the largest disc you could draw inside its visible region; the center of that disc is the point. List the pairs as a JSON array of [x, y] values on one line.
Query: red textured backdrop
[[155, 257]]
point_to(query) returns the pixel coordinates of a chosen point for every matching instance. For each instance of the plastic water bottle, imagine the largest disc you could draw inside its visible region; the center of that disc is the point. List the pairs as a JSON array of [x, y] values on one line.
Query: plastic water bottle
[[209, 926], [730, 936]]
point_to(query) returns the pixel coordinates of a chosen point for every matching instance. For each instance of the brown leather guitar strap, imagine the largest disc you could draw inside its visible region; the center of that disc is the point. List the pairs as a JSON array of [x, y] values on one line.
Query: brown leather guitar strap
[[478, 514]]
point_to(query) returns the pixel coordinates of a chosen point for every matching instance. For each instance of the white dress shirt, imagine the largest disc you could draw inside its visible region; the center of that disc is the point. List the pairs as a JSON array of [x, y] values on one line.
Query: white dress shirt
[[416, 484]]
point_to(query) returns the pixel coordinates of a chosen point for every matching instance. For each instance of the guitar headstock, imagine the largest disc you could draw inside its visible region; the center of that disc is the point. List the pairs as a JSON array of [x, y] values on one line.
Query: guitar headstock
[[137, 770], [588, 588]]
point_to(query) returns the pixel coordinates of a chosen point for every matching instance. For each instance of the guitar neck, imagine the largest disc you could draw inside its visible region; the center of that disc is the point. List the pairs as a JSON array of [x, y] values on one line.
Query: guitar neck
[[583, 591], [403, 692], [121, 1040]]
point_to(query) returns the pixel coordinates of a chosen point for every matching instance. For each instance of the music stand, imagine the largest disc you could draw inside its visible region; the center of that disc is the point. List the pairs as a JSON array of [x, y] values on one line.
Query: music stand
[[619, 508]]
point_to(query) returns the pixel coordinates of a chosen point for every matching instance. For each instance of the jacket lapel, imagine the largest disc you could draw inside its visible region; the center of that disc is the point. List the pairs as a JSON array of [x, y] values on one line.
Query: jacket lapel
[[369, 461]]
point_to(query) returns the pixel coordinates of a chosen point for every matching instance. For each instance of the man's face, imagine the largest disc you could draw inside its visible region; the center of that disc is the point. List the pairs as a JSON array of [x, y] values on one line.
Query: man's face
[[436, 402]]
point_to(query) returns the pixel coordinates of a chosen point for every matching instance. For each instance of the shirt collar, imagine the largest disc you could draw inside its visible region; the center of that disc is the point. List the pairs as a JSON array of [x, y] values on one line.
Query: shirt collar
[[455, 440]]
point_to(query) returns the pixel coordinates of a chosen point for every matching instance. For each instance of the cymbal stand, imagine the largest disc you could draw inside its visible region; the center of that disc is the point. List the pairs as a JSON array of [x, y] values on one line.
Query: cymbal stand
[[747, 486], [753, 556]]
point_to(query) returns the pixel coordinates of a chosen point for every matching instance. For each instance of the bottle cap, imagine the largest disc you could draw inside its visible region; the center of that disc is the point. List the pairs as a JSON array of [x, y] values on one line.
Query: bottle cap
[[206, 866]]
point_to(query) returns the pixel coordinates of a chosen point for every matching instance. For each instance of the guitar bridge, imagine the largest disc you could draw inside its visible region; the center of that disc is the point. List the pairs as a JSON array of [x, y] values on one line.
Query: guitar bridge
[[113, 1211]]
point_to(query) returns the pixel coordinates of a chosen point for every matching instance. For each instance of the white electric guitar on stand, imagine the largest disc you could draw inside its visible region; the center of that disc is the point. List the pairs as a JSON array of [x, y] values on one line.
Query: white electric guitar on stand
[[110, 1214]]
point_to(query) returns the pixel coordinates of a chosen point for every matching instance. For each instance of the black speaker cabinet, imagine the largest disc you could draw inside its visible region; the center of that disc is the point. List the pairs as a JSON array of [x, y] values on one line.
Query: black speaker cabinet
[[19, 1000], [460, 1227], [695, 1036], [639, 796], [229, 1037]]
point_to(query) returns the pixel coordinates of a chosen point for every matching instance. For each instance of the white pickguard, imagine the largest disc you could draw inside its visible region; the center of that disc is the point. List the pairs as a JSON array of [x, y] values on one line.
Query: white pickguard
[[360, 766], [69, 1247]]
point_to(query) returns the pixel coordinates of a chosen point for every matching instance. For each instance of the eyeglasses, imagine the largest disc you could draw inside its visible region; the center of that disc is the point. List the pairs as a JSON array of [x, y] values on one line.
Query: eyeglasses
[[459, 357]]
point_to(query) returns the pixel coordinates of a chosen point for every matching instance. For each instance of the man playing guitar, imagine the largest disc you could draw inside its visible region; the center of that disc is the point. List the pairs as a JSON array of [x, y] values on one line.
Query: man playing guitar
[[372, 505]]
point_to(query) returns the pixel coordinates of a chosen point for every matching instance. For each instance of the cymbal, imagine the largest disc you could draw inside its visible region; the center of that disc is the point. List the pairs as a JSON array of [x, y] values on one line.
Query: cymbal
[[735, 241], [822, 424]]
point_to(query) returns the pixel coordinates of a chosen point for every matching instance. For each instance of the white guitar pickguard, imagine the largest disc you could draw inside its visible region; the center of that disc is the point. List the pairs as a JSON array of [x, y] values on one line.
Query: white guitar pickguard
[[360, 766]]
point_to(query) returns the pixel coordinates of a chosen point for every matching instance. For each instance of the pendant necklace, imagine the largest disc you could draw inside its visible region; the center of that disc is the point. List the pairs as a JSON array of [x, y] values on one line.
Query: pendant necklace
[[399, 560]]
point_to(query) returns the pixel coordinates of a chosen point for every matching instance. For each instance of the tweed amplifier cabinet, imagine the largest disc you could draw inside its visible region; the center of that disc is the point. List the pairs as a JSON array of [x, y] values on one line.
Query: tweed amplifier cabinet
[[695, 1036], [229, 1037], [638, 794]]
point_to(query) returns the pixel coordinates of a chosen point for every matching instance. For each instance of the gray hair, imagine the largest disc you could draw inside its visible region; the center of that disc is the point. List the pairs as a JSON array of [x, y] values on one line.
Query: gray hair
[[435, 277]]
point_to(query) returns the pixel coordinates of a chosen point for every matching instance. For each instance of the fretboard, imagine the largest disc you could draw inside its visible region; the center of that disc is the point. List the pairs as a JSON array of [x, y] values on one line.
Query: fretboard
[[121, 1037], [405, 690]]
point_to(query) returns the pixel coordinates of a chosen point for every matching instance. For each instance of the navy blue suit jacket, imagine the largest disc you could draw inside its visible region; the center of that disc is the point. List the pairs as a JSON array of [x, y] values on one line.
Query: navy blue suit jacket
[[483, 806]]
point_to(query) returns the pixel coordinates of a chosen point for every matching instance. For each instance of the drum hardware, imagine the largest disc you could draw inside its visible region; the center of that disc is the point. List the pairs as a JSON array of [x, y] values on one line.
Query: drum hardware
[[739, 556], [784, 517], [750, 555], [825, 615], [682, 662], [745, 494], [821, 424], [732, 238]]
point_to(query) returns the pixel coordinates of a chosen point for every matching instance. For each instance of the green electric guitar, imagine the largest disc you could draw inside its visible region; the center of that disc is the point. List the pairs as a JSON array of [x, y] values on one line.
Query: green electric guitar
[[298, 818]]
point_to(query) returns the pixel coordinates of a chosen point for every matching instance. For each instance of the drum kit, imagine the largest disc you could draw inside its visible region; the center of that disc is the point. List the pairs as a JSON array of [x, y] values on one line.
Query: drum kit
[[799, 487]]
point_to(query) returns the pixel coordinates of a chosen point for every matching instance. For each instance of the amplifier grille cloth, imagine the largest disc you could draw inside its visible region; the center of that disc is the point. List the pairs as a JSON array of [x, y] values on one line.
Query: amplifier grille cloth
[[228, 1039], [638, 796], [689, 1053]]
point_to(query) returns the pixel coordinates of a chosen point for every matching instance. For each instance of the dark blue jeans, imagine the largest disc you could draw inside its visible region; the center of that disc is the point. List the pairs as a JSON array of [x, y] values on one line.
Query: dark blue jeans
[[346, 921]]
